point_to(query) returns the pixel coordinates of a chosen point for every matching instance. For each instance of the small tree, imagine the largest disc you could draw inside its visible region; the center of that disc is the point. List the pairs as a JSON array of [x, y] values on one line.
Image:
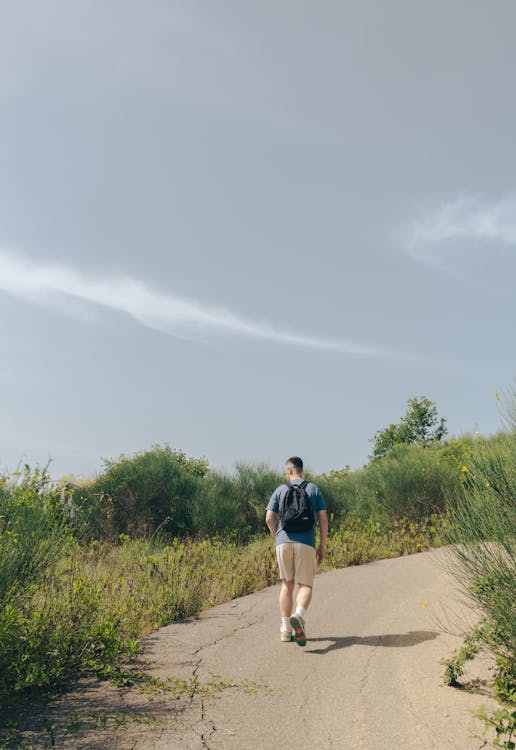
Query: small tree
[[421, 424]]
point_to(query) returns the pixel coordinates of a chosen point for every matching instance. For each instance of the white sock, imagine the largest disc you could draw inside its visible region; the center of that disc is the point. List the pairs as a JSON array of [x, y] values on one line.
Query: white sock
[[300, 611], [285, 623]]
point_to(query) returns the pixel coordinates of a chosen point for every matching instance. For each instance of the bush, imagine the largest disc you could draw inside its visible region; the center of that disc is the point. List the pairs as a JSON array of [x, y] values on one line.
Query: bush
[[217, 505], [255, 484], [412, 482], [234, 505], [139, 494], [339, 489]]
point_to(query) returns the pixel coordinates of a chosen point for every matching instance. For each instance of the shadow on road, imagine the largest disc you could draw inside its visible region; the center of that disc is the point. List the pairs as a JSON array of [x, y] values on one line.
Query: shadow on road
[[401, 640]]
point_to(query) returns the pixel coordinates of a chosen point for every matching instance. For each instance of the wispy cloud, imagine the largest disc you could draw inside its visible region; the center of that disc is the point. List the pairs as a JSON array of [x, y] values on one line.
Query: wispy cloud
[[467, 223], [44, 283]]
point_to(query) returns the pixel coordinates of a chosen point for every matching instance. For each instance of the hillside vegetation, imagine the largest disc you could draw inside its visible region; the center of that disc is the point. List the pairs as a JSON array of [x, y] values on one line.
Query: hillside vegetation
[[87, 568]]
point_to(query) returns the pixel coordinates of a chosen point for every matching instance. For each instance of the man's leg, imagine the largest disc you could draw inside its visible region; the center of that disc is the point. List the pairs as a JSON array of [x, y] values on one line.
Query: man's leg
[[304, 596], [285, 557], [305, 569], [286, 597]]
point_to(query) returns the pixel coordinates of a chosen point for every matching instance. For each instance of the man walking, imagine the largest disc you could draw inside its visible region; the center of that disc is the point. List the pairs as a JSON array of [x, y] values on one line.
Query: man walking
[[296, 504]]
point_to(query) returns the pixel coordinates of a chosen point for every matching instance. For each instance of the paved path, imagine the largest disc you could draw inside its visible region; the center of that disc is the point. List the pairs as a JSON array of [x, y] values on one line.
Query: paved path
[[369, 677]]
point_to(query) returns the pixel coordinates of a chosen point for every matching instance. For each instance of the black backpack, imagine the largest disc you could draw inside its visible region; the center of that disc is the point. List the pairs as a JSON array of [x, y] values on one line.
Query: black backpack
[[296, 511]]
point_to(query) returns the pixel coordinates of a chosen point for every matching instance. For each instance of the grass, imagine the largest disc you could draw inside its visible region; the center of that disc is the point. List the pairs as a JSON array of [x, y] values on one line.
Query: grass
[[95, 603], [483, 532]]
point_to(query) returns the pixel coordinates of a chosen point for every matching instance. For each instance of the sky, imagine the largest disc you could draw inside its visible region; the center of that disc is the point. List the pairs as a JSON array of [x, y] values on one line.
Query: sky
[[252, 230]]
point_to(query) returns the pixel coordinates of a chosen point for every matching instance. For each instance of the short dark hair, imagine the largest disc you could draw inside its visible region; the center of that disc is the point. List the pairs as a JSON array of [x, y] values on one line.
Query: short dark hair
[[296, 463]]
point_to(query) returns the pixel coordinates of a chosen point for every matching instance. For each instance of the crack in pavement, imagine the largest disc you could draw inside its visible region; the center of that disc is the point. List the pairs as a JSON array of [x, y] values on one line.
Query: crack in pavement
[[202, 736], [367, 665], [197, 662]]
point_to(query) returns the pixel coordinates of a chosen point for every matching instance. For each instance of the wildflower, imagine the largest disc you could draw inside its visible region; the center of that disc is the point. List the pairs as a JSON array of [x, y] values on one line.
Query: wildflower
[[464, 469], [424, 603], [496, 394]]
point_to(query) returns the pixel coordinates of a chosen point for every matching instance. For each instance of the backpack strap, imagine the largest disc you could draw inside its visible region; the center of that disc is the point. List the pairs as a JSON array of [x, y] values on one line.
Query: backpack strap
[[282, 501]]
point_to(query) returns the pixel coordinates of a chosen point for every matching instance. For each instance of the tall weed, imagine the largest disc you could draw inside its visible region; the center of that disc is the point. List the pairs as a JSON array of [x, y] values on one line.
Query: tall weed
[[484, 531], [33, 529]]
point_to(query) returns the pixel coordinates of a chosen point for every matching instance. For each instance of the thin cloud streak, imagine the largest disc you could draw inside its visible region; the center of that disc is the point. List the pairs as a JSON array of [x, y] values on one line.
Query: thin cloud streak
[[163, 312]]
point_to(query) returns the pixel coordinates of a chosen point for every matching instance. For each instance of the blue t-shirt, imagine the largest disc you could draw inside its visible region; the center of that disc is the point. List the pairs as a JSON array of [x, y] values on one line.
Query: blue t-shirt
[[317, 500]]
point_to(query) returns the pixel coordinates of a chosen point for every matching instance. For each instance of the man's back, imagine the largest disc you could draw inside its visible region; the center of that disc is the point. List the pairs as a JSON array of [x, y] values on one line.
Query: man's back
[[314, 495]]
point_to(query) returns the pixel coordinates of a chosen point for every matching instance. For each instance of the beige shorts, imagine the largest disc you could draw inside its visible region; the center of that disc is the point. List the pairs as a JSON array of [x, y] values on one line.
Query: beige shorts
[[296, 560]]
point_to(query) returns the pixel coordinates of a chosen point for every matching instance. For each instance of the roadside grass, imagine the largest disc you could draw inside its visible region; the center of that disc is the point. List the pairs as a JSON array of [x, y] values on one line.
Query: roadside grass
[[483, 533], [90, 609]]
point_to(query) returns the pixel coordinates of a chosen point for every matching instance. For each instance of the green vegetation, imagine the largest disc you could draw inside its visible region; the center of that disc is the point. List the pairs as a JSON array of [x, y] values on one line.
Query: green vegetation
[[87, 568], [137, 494], [483, 531], [161, 490], [409, 482], [503, 722], [420, 425], [32, 530], [93, 604]]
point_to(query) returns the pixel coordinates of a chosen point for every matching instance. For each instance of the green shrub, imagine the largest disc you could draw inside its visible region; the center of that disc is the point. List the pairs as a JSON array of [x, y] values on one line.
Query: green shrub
[[255, 484], [339, 491], [234, 504], [411, 481], [217, 506], [139, 494]]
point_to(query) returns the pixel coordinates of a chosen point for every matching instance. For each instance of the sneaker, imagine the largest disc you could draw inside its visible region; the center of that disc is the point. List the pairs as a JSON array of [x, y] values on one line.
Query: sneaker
[[298, 624], [286, 635]]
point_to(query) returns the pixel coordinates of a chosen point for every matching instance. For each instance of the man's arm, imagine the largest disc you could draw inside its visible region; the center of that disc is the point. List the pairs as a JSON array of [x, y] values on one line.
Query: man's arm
[[271, 519], [323, 528]]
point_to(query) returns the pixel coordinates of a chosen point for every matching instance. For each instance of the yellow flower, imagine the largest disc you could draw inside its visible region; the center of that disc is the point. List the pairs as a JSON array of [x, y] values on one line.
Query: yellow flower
[[496, 394], [424, 603], [464, 469]]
